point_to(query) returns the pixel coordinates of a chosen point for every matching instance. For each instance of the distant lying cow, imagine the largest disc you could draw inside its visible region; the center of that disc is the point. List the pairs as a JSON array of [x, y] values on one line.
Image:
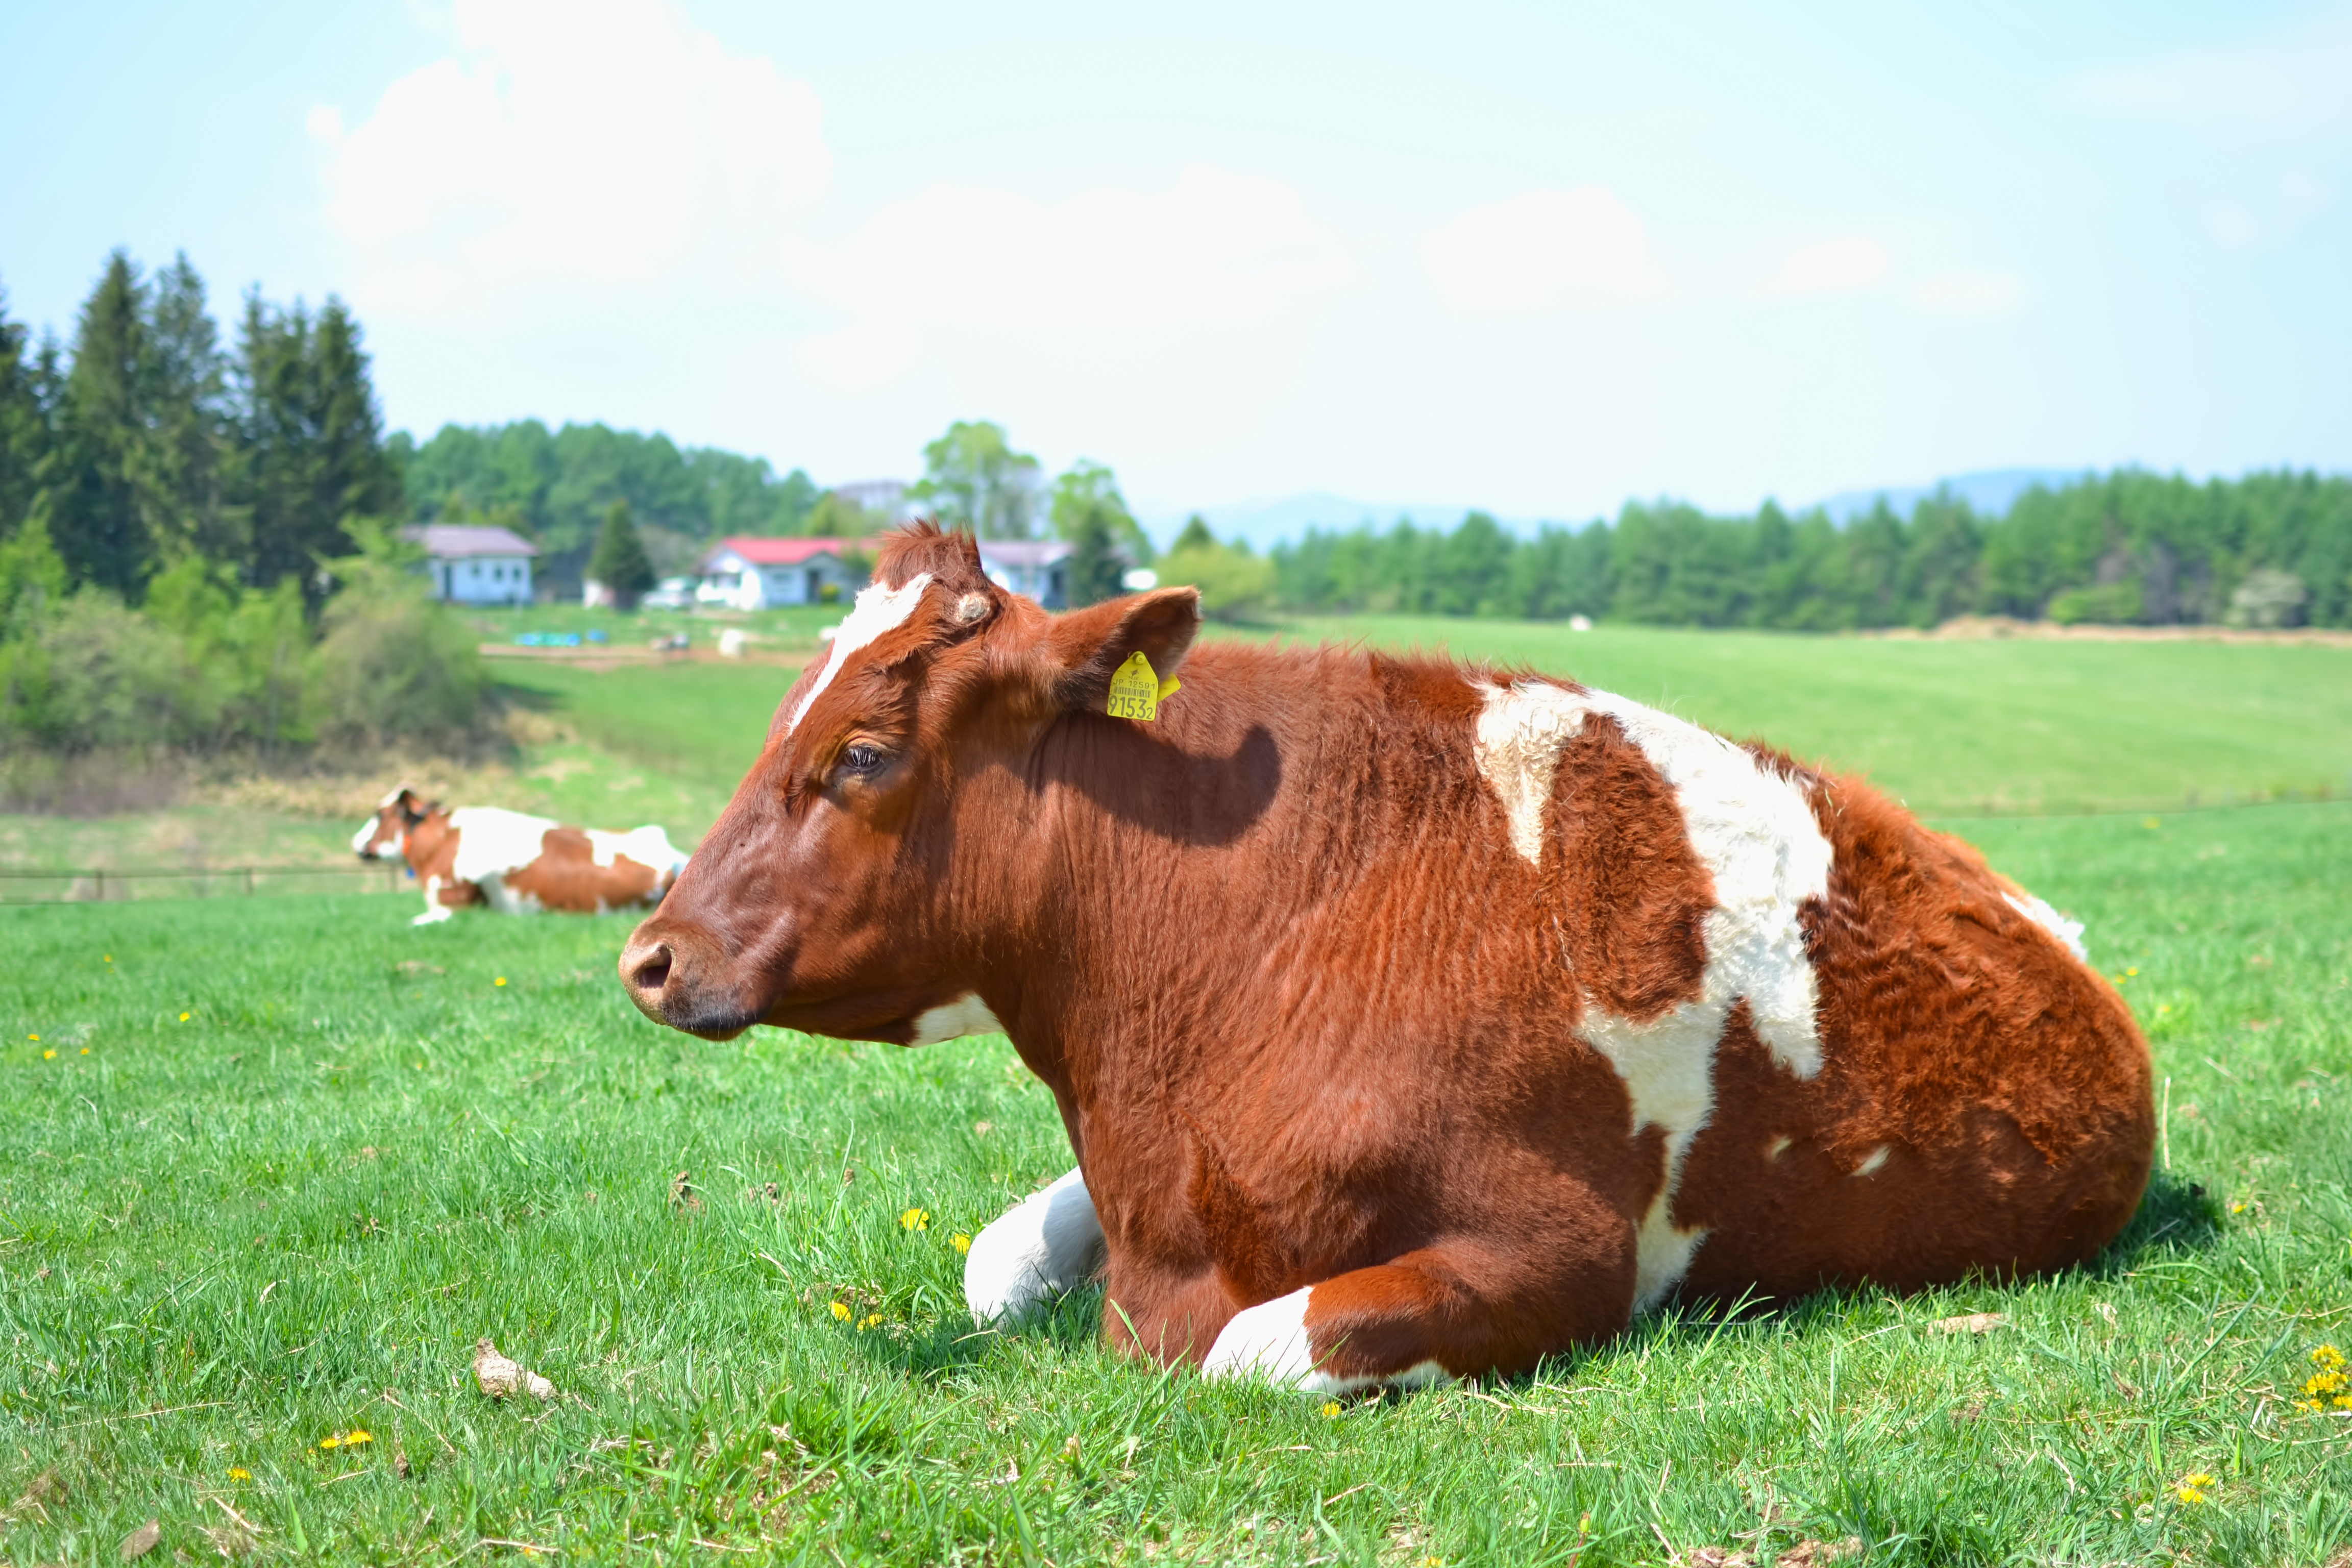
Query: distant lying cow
[[1408, 1019], [515, 863]]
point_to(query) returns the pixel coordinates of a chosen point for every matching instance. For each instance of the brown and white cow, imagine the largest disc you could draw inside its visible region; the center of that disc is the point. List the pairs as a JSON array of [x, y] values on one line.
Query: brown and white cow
[[1407, 1019], [515, 863]]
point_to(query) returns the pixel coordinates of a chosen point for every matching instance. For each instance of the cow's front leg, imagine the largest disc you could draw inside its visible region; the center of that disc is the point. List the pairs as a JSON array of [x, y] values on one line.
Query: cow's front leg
[[1048, 1243], [1422, 1318], [435, 909]]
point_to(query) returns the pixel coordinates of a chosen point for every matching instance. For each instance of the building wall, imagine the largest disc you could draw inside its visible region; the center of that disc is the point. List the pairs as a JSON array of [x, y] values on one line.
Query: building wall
[[482, 579]]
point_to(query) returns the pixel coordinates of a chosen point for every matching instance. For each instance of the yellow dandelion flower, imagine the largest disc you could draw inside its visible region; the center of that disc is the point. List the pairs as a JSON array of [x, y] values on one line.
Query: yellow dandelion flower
[[85, 1050], [871, 1321], [35, 1039], [502, 980], [357, 1435], [915, 1219], [2330, 1357], [49, 1055], [2129, 973], [184, 1017], [236, 1473], [961, 1242], [841, 1310], [2193, 1489], [330, 1442], [2163, 1007], [1330, 1408]]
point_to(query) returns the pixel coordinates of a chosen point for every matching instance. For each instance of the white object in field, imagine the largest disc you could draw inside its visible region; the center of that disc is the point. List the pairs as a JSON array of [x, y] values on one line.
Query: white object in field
[[499, 1375], [1141, 580], [1580, 623], [1048, 1243], [731, 643]]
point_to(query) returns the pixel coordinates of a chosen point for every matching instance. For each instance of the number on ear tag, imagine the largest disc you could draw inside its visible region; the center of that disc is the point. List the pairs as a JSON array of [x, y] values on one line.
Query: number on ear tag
[[1134, 691]]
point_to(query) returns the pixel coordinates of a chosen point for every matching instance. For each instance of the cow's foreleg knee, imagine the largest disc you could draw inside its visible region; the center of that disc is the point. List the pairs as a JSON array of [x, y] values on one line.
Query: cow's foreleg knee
[[1417, 1319], [1048, 1243]]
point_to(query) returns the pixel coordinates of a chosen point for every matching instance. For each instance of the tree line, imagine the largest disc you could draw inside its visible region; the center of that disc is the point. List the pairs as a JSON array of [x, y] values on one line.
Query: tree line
[[194, 548], [2271, 549]]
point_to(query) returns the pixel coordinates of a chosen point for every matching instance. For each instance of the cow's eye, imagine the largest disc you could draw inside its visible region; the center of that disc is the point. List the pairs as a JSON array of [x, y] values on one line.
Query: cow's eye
[[862, 760]]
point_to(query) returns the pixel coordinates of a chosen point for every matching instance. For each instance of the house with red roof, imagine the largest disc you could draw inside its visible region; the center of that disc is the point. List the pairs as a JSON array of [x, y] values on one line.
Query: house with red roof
[[746, 574]]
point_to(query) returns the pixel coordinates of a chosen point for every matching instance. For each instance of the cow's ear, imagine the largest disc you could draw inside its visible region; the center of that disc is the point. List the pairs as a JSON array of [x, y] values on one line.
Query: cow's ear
[[1086, 646]]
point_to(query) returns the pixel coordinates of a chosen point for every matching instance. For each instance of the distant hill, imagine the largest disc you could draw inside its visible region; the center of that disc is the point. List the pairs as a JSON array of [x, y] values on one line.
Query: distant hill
[[1267, 522], [1989, 494]]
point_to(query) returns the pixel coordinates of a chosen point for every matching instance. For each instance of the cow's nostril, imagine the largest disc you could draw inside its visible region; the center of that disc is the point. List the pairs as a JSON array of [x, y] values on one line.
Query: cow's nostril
[[653, 971]]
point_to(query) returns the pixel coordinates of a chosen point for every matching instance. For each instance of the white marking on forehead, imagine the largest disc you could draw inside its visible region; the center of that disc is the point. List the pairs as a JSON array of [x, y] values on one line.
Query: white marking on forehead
[[1754, 831], [2049, 919], [1518, 740], [878, 610], [967, 1014]]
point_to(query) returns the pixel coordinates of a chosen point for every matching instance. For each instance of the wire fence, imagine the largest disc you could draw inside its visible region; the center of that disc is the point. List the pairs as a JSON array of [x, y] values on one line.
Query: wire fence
[[111, 884]]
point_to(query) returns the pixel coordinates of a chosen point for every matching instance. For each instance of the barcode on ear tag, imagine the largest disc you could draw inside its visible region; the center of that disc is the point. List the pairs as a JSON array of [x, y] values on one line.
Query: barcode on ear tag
[[1134, 691]]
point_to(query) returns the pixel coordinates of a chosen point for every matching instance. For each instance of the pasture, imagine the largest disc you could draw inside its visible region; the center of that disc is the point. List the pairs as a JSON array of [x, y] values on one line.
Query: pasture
[[271, 1168]]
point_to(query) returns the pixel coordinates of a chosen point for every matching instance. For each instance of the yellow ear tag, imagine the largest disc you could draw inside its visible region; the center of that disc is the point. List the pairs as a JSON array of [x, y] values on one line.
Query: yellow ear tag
[[1135, 690]]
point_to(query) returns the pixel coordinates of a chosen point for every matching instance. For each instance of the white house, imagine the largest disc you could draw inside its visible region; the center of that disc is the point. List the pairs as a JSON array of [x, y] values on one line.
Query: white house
[[760, 574], [1038, 567], [472, 564]]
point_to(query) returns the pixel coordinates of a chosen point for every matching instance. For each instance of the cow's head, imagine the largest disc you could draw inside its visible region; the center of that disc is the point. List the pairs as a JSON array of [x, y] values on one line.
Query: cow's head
[[850, 888], [380, 836]]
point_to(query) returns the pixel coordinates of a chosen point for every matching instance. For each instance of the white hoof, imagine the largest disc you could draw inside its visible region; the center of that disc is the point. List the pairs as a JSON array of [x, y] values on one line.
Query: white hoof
[[434, 917], [1048, 1243], [1269, 1342]]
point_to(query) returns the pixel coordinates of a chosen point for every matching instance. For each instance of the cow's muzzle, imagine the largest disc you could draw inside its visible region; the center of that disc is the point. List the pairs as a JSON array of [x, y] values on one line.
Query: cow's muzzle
[[659, 974]]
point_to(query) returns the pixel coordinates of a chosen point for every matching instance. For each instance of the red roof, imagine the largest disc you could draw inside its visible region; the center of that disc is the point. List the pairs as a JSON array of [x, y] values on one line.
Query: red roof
[[785, 551]]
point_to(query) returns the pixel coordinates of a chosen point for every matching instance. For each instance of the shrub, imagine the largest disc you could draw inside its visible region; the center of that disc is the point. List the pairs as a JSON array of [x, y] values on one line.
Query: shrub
[[1234, 584], [394, 666]]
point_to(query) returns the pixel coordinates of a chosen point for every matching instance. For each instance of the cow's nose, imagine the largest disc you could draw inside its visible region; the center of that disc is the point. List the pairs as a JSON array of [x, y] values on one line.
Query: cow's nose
[[646, 969]]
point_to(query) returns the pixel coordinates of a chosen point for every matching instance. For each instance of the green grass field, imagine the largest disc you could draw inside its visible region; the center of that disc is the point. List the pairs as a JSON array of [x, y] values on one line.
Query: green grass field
[[229, 1236]]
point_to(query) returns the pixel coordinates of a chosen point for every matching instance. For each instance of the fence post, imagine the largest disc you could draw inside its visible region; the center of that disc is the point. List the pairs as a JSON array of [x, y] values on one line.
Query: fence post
[[249, 881], [101, 876]]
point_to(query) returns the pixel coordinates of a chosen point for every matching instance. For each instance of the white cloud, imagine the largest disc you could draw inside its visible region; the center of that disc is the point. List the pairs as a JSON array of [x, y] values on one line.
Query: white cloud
[[1967, 292], [1846, 265], [2289, 82], [598, 149], [1213, 247], [1541, 248]]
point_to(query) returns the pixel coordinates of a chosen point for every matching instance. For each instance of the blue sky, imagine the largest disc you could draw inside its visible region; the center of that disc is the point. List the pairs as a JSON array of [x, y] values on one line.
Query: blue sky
[[1538, 259]]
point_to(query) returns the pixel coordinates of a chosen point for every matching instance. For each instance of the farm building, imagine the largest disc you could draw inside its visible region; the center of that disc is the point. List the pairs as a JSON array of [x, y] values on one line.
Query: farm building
[[472, 564], [1038, 567], [757, 574]]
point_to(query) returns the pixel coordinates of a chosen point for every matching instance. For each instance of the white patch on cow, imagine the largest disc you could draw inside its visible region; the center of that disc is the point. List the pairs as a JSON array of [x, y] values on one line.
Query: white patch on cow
[[492, 839], [878, 610], [2049, 919], [1518, 740], [967, 1014], [363, 840], [1269, 1340], [1754, 831], [1877, 1158], [1048, 1243], [647, 846]]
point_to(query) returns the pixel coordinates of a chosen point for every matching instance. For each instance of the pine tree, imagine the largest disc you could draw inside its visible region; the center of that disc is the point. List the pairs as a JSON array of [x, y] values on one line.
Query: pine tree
[[185, 425], [24, 423], [310, 447], [1095, 566], [619, 563], [96, 517]]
